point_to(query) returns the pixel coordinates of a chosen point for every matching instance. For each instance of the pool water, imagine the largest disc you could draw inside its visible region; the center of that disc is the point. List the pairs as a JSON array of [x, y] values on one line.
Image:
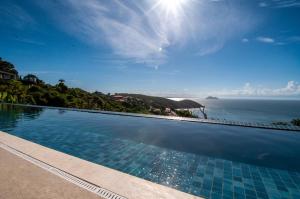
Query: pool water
[[212, 161]]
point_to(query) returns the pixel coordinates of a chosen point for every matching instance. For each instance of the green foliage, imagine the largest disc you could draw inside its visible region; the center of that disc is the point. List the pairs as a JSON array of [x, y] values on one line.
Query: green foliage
[[61, 87], [185, 113], [296, 122], [3, 96]]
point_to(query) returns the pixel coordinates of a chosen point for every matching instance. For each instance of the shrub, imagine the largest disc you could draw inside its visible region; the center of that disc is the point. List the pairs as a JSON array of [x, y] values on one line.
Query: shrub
[[280, 123], [296, 122], [185, 113]]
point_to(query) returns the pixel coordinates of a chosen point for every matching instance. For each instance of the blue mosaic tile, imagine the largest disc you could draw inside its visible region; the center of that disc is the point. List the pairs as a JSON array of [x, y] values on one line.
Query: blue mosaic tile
[[198, 175]]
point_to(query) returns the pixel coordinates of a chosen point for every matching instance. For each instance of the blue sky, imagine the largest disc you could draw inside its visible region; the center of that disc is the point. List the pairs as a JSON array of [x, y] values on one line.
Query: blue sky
[[172, 48]]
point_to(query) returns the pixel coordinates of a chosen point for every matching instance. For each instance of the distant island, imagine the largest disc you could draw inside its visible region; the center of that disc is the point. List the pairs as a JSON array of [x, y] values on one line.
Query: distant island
[[32, 90], [212, 98]]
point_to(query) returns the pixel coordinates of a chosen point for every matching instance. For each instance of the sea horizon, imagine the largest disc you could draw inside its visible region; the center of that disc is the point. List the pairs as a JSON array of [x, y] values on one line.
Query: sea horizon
[[251, 110], [197, 99]]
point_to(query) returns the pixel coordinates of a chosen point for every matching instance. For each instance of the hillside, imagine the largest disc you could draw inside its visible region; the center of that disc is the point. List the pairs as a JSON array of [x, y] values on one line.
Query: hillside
[[160, 102]]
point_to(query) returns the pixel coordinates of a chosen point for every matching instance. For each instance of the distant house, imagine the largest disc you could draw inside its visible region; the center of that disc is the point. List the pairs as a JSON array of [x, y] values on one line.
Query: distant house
[[156, 111], [167, 110], [7, 76], [119, 98], [7, 71], [31, 79]]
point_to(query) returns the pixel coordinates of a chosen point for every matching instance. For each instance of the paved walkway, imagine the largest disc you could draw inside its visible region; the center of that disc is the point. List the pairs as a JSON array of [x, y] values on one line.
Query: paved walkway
[[19, 179]]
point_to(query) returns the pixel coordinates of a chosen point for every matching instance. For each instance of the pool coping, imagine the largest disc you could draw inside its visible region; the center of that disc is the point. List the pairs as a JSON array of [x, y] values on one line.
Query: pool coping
[[122, 184], [174, 118]]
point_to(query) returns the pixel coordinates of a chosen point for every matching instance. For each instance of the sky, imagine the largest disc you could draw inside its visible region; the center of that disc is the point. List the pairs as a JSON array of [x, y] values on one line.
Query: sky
[[169, 48]]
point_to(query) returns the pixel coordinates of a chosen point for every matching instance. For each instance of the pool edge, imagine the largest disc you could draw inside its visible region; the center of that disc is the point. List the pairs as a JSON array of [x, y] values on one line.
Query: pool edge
[[112, 180]]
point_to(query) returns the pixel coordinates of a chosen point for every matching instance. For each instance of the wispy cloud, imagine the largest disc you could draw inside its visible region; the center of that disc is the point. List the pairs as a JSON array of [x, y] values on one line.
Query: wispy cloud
[[262, 4], [211, 49], [279, 3], [12, 15], [245, 40], [265, 39], [30, 41], [40, 72], [145, 31], [286, 3]]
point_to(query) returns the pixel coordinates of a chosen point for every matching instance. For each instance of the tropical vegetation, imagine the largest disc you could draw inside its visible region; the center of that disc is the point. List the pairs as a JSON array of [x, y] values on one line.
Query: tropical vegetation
[[31, 90]]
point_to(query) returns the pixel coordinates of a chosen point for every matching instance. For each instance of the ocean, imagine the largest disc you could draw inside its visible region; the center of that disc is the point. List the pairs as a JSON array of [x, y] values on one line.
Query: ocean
[[264, 111]]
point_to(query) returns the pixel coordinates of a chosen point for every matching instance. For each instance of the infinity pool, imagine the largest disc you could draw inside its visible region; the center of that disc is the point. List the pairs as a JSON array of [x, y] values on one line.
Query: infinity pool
[[212, 161]]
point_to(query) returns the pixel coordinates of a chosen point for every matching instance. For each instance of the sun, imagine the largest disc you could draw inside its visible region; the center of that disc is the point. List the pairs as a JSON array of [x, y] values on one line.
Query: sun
[[171, 6]]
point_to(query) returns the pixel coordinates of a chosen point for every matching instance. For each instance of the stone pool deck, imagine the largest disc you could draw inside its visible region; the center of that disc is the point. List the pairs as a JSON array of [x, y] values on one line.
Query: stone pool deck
[[22, 179]]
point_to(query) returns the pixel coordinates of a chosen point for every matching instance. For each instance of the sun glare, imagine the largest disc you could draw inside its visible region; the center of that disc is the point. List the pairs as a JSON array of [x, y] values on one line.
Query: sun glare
[[172, 6]]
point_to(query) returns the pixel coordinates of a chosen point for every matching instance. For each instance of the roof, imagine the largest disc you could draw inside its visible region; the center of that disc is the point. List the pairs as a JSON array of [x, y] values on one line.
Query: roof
[[118, 96]]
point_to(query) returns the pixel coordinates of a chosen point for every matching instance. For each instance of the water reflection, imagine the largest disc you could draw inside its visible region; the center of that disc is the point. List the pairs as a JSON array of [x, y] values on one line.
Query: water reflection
[[10, 114]]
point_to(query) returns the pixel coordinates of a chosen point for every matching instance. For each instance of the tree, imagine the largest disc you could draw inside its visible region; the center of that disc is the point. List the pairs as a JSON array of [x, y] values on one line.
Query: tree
[[7, 67], [32, 79], [61, 81]]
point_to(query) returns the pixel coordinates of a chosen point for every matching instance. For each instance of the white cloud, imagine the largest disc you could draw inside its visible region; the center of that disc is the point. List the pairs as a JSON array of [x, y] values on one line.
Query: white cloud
[[291, 89], [144, 31], [265, 39], [279, 42]]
